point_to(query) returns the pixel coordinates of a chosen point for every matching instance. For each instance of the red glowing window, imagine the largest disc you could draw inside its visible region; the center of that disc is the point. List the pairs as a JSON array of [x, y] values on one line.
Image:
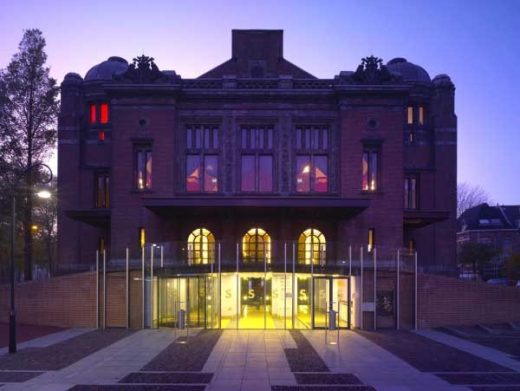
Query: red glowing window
[[93, 113], [103, 113], [101, 135]]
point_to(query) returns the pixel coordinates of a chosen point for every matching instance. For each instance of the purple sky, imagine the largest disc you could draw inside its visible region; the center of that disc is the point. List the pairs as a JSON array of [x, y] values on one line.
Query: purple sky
[[475, 42]]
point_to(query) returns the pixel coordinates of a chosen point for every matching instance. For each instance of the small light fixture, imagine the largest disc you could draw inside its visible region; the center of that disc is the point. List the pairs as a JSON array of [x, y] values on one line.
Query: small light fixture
[[44, 194], [34, 227]]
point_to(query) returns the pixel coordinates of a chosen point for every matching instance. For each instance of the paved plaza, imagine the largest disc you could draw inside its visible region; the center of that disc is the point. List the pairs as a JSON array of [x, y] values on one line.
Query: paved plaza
[[278, 360]]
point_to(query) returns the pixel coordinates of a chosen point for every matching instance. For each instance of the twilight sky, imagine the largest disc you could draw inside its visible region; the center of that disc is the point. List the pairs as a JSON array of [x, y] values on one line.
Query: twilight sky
[[474, 41]]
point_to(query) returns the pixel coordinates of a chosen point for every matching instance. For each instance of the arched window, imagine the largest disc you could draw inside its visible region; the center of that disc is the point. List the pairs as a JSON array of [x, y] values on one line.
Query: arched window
[[311, 247], [256, 246], [201, 247]]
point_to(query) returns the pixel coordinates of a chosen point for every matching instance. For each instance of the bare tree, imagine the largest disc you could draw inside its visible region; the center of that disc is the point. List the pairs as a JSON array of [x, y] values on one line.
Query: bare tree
[[469, 196]]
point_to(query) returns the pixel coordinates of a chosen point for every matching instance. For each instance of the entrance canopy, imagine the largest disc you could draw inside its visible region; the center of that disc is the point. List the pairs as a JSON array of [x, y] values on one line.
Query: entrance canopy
[[304, 206]]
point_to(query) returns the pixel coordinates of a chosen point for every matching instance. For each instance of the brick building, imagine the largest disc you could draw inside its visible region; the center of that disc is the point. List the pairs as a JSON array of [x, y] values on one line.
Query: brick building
[[260, 168]]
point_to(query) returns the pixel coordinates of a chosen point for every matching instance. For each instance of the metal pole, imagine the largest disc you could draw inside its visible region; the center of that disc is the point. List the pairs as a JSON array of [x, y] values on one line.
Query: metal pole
[[239, 310], [265, 287], [151, 286], [142, 285], [12, 311], [375, 288], [284, 285], [294, 283], [220, 291], [97, 289], [127, 288], [162, 256], [349, 261], [397, 308], [415, 291], [361, 288], [104, 288]]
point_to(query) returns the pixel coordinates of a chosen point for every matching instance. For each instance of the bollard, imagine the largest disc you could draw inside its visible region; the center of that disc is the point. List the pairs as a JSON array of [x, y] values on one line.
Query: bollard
[[332, 325]]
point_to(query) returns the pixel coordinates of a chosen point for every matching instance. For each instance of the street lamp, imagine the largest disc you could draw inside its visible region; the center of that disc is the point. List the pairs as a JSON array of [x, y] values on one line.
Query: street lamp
[[41, 194]]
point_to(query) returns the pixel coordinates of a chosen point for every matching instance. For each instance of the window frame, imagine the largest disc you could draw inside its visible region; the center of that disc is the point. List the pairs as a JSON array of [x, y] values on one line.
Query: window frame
[[312, 141], [198, 145], [105, 196], [145, 148], [262, 146], [408, 179], [370, 150]]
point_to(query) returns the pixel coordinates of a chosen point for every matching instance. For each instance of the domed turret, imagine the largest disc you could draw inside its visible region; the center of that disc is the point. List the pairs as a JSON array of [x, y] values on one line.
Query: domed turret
[[72, 78], [107, 69], [410, 72], [442, 80]]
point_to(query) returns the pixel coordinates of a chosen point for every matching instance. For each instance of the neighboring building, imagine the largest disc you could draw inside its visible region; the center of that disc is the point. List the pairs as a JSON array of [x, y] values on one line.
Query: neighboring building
[[253, 163], [497, 226]]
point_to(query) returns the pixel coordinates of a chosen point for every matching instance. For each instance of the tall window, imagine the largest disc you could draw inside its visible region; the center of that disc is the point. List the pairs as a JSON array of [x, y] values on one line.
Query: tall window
[[202, 148], [142, 237], [370, 169], [99, 113], [410, 192], [143, 167], [311, 247], [102, 190], [312, 143], [257, 159], [256, 246], [371, 239], [409, 115], [201, 247]]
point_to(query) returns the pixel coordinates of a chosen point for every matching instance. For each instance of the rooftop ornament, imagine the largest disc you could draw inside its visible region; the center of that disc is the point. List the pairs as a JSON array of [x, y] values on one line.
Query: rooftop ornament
[[372, 71], [143, 70]]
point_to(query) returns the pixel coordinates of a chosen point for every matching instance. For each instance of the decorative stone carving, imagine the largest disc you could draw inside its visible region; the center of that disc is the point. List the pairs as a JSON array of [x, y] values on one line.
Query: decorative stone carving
[[372, 71], [143, 70]]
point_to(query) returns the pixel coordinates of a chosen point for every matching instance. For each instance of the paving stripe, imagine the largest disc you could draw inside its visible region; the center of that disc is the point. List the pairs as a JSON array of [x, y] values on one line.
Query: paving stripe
[[327, 378], [481, 378], [17, 376], [139, 387], [168, 377], [322, 388], [304, 358]]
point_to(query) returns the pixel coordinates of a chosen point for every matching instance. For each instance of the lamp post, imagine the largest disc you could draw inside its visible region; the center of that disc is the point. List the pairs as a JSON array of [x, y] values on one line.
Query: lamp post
[[41, 194]]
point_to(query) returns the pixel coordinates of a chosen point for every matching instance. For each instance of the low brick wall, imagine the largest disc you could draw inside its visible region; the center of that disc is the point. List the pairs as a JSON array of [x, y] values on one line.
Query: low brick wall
[[65, 301], [444, 301]]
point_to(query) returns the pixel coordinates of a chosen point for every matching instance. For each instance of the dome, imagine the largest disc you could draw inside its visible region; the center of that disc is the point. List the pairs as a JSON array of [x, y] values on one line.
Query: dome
[[442, 80], [72, 78], [107, 69], [409, 72]]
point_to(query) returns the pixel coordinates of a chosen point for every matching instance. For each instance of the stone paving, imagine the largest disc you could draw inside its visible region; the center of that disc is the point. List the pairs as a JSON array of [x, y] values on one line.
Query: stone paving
[[259, 360]]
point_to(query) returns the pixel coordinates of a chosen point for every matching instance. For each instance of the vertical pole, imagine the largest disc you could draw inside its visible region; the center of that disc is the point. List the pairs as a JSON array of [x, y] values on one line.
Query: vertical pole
[[375, 288], [142, 286], [295, 284], [220, 290], [361, 288], [97, 289], [415, 291], [265, 286], [127, 296], [349, 307], [397, 308], [151, 286], [162, 256], [104, 288], [239, 310], [349, 261], [284, 285], [12, 311]]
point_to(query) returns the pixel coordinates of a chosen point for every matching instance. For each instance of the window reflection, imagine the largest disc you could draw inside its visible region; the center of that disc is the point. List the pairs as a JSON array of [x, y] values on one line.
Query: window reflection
[[202, 173], [311, 174], [370, 170], [143, 169]]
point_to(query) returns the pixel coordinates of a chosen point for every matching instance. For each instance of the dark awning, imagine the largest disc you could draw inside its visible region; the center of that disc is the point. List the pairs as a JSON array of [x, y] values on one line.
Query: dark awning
[[95, 217], [422, 218], [304, 206]]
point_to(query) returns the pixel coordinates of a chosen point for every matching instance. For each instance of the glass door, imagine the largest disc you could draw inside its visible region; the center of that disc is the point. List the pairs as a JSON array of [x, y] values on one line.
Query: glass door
[[320, 301]]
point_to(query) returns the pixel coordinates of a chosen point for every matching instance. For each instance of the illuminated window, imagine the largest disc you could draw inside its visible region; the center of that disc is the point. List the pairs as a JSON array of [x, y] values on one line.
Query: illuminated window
[[101, 245], [421, 115], [93, 113], [202, 148], [312, 143], [371, 239], [370, 169], [143, 167], [256, 246], [201, 247], [103, 113], [142, 237], [99, 113], [101, 135], [311, 173], [409, 115], [410, 192], [102, 190], [311, 247], [411, 246]]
